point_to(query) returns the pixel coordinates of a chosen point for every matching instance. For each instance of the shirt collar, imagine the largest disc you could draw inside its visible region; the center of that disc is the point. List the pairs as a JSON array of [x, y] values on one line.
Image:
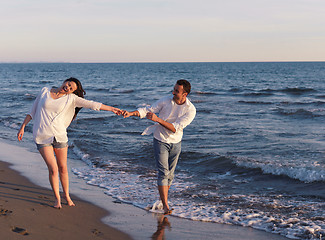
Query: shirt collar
[[186, 103]]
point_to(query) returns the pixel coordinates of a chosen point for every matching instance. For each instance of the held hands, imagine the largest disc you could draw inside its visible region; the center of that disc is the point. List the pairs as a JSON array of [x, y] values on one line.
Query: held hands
[[151, 116], [126, 114]]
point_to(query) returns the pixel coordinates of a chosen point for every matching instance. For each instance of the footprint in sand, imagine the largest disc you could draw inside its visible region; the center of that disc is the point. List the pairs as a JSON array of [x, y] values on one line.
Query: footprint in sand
[[96, 232], [4, 212], [43, 197], [19, 230]]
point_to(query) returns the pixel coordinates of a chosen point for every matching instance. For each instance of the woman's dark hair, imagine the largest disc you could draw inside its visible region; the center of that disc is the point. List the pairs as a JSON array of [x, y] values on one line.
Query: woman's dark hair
[[80, 92], [186, 85]]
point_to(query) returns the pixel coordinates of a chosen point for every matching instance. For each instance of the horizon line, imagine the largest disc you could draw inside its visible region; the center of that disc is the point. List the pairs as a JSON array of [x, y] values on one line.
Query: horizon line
[[283, 61]]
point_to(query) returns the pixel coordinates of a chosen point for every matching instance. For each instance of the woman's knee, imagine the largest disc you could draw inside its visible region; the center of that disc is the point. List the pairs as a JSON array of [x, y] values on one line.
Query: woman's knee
[[53, 171], [63, 169]]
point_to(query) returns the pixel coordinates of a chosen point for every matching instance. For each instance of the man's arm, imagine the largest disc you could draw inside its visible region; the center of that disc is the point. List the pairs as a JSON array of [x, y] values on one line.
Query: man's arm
[[153, 117]]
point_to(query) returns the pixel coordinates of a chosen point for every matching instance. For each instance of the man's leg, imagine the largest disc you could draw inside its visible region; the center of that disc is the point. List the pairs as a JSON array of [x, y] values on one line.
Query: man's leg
[[161, 151], [163, 192], [174, 152]]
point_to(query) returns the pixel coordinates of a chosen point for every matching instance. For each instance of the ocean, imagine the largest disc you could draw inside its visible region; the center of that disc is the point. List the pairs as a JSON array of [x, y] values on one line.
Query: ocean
[[253, 156]]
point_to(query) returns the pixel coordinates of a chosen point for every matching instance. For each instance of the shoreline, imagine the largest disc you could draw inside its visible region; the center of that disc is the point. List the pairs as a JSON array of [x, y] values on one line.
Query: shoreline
[[130, 220]]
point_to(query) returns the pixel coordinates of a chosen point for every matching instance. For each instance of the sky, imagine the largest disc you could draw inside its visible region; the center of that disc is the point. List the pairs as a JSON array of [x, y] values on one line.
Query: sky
[[162, 30]]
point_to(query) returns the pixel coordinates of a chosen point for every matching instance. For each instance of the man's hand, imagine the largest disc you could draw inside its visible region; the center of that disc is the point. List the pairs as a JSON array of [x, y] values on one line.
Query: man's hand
[[153, 117]]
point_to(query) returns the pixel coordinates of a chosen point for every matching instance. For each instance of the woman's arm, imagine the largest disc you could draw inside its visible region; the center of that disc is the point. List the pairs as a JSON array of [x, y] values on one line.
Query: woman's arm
[[81, 102], [21, 131], [110, 108]]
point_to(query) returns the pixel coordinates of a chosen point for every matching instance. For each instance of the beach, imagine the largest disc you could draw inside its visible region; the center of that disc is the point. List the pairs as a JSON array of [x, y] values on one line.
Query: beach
[[253, 158], [26, 210]]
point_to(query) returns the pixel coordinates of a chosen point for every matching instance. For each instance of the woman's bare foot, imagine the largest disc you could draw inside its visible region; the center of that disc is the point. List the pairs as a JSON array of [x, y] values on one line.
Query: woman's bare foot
[[57, 205], [70, 202]]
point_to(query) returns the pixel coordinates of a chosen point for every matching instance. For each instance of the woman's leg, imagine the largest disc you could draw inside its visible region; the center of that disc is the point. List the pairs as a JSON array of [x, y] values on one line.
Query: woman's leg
[[49, 158], [61, 158]]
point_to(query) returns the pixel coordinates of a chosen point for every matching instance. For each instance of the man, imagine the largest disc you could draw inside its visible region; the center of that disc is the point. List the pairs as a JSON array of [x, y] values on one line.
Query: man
[[175, 113]]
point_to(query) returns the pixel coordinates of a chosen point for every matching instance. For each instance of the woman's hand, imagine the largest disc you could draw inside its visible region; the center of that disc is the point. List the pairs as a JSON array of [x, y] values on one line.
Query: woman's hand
[[110, 108], [116, 111], [20, 133]]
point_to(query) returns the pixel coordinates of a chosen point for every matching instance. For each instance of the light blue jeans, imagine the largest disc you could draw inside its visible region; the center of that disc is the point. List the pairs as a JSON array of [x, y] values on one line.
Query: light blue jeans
[[166, 155]]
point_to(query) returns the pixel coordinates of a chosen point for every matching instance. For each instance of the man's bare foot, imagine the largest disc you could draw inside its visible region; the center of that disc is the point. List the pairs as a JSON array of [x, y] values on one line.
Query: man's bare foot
[[167, 210]]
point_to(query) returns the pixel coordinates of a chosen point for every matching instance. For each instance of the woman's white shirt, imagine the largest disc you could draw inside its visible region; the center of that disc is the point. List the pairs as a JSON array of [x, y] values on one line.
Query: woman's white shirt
[[51, 117]]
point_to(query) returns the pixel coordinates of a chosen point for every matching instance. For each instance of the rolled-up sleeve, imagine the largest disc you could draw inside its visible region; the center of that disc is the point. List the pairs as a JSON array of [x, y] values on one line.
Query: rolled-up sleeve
[[81, 102], [154, 108], [185, 120], [142, 112]]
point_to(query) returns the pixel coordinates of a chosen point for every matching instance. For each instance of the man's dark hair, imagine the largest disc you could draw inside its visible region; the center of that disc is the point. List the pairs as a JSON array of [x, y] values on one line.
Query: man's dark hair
[[186, 85]]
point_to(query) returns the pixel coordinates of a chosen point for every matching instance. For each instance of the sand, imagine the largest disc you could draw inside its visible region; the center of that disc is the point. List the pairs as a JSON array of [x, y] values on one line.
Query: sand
[[26, 210]]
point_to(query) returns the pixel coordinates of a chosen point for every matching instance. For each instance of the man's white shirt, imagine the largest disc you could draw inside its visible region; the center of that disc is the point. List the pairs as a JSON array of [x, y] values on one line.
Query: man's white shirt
[[168, 110]]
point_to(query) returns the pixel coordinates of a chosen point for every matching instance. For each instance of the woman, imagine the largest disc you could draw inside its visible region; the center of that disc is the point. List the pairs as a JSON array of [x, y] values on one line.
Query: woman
[[52, 113]]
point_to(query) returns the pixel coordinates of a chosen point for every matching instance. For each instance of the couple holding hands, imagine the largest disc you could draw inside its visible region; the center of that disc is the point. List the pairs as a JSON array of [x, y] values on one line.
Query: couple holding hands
[[54, 109]]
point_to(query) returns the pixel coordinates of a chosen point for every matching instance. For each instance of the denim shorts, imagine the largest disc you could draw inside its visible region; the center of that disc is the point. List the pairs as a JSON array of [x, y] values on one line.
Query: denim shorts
[[55, 144]]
